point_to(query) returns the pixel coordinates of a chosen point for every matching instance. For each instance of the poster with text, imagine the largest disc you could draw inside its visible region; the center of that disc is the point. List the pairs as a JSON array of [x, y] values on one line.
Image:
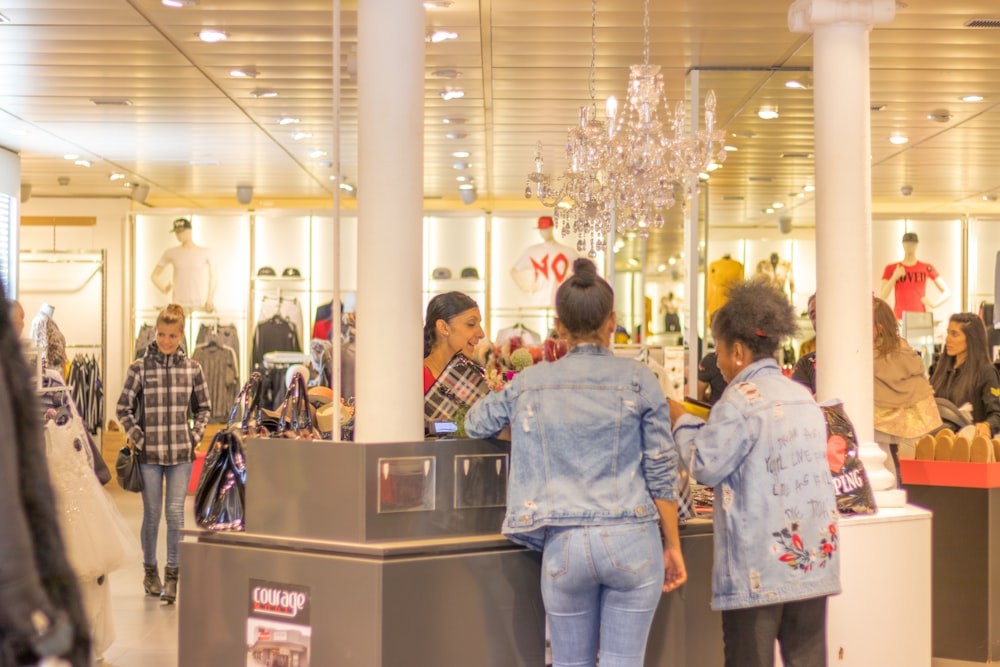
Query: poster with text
[[279, 631]]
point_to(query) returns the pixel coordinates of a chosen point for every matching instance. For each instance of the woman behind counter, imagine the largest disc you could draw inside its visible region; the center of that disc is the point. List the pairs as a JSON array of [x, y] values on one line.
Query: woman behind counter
[[964, 373], [452, 324], [592, 467], [763, 450]]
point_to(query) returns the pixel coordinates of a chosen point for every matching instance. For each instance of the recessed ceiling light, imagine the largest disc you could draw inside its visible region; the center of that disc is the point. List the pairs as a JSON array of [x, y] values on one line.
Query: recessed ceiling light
[[712, 166], [244, 72], [777, 204], [316, 153], [446, 74], [287, 120], [767, 210], [437, 4], [808, 188], [456, 135], [441, 36], [263, 92], [453, 121], [82, 163], [898, 138], [347, 187], [989, 197], [326, 163], [179, 3], [71, 156], [703, 176], [300, 135], [117, 176], [767, 112], [466, 186], [460, 165], [111, 101], [731, 149], [797, 85], [462, 179], [460, 154], [971, 98], [212, 35], [452, 94], [797, 195]]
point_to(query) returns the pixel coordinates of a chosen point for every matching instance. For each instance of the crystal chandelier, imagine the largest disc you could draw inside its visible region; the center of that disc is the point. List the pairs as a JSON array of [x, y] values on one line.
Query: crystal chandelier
[[652, 156], [580, 196]]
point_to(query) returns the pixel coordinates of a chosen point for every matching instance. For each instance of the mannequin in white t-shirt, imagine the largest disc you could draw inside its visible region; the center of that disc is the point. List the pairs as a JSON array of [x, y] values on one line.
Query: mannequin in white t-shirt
[[544, 266], [193, 283]]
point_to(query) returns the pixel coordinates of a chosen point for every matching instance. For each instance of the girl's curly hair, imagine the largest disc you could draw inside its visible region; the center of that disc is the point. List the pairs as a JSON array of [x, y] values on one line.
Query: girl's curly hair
[[757, 314]]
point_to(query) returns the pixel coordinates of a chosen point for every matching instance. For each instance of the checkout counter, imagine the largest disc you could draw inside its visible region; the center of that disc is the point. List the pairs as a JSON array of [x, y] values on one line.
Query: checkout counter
[[388, 555]]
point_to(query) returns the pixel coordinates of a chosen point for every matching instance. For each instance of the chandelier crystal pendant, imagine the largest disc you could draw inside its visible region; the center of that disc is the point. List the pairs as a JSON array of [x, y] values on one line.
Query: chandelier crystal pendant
[[580, 196], [652, 155]]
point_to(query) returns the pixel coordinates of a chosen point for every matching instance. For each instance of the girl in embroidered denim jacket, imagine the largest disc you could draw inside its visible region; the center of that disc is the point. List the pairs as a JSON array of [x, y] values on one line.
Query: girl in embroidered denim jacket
[[763, 450]]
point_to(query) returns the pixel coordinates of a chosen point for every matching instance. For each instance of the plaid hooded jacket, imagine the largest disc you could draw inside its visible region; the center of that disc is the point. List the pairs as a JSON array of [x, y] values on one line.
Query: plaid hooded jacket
[[168, 386]]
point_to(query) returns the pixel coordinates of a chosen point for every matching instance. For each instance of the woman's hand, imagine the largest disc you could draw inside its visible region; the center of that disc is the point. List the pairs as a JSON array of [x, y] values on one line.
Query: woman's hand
[[674, 572]]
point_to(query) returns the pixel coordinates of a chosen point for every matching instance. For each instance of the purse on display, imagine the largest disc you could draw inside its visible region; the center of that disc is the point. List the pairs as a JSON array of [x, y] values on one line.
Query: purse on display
[[219, 500], [253, 423], [461, 383], [127, 469], [296, 415]]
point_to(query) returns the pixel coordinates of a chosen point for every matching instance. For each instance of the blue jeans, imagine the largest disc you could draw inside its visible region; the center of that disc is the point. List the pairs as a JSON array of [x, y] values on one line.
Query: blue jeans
[[153, 476], [601, 586]]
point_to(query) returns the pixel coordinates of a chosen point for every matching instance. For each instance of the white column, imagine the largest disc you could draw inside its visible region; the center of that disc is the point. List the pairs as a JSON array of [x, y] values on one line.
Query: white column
[[390, 220], [843, 197]]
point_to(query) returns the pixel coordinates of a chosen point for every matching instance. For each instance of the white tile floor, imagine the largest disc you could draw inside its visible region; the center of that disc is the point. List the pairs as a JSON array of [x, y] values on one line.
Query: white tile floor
[[146, 629]]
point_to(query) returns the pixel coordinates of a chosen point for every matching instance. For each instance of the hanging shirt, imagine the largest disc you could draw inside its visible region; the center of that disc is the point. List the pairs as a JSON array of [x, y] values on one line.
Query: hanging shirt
[[721, 274], [192, 268], [910, 289]]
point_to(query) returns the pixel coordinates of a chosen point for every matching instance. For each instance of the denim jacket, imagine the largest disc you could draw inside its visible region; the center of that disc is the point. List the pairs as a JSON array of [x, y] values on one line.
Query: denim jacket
[[590, 443], [763, 450]]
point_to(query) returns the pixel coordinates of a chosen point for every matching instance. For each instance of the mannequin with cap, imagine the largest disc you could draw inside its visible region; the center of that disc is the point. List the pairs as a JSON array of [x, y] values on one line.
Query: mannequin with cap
[[193, 282], [908, 278], [543, 267]]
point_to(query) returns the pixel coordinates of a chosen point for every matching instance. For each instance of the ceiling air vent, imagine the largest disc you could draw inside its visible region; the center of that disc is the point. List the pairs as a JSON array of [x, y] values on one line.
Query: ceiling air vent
[[878, 107], [732, 198], [800, 156], [111, 101], [760, 179], [982, 23]]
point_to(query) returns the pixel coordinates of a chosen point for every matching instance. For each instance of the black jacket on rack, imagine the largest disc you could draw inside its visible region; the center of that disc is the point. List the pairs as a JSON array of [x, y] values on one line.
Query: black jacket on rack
[[273, 335]]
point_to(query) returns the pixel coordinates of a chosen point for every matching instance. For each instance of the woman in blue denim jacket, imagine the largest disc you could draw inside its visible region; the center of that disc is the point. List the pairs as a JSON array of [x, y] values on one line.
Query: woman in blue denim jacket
[[763, 450], [593, 466]]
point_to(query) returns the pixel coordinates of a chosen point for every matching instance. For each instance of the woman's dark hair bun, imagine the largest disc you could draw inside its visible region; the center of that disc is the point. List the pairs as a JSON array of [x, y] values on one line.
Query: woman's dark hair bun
[[584, 271]]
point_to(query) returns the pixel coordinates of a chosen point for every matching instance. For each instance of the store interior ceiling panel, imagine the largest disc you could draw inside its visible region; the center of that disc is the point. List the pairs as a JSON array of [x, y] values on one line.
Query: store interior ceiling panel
[[128, 86]]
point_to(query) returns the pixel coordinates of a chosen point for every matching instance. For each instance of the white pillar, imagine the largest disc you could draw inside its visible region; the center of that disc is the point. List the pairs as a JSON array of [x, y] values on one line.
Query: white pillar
[[841, 101], [390, 220]]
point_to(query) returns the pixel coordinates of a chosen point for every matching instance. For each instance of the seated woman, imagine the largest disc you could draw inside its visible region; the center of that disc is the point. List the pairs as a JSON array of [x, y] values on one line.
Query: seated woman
[[965, 374], [905, 408]]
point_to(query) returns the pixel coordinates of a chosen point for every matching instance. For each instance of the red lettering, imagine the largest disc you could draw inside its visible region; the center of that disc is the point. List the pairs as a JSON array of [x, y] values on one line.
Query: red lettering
[[542, 268], [560, 266]]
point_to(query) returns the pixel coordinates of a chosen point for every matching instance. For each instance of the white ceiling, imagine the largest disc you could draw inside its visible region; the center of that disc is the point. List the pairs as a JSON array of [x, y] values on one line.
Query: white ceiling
[[524, 67]]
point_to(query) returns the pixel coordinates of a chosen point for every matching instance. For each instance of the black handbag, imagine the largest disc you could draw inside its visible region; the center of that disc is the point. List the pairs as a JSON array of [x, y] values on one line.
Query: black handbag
[[219, 499], [127, 469]]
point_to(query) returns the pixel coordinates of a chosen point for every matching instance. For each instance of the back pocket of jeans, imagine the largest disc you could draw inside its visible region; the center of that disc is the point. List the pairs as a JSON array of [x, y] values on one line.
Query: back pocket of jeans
[[555, 555], [629, 547]]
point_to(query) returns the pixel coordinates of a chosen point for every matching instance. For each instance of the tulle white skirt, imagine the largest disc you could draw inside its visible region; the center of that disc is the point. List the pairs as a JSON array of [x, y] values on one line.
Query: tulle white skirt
[[97, 538]]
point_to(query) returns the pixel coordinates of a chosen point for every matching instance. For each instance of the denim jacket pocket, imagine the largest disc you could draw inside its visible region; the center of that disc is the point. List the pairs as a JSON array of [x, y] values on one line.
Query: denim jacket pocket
[[628, 546]]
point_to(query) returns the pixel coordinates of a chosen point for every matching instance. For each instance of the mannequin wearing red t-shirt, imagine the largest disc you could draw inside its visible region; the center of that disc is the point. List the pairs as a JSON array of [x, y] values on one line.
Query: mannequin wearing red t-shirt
[[908, 280]]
